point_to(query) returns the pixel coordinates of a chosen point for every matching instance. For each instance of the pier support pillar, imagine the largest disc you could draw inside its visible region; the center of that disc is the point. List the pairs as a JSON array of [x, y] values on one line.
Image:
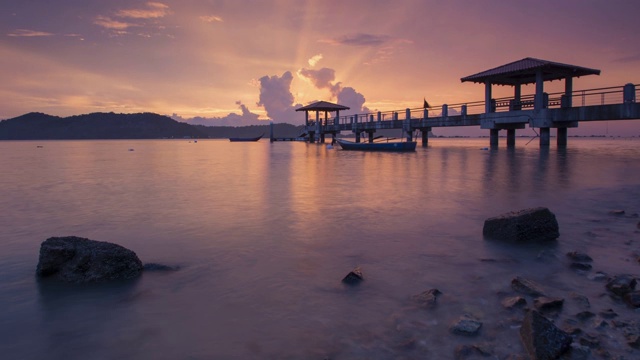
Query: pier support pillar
[[561, 136], [357, 136], [312, 137], [511, 137], [370, 136], [545, 136], [322, 138], [425, 136], [493, 137]]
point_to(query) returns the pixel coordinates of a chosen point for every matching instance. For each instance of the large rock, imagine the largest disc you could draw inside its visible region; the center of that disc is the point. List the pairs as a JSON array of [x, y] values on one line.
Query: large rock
[[80, 260], [541, 338], [354, 277], [528, 225], [621, 285]]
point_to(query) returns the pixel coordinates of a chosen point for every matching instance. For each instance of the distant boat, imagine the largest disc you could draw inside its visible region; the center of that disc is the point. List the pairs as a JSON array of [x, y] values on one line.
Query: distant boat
[[238, 139], [378, 146]]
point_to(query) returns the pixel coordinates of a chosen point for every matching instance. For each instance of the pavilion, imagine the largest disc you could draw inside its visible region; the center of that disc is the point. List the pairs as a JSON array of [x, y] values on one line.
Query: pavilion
[[326, 107], [523, 72]]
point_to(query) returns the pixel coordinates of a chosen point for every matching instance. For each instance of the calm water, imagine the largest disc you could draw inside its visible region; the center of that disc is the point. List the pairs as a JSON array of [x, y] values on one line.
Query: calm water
[[264, 232]]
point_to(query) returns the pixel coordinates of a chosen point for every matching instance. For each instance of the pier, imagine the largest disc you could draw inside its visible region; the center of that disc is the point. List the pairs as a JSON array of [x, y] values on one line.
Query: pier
[[542, 111]]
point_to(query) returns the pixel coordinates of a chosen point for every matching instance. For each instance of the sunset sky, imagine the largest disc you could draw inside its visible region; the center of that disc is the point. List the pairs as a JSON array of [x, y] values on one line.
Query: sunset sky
[[243, 60]]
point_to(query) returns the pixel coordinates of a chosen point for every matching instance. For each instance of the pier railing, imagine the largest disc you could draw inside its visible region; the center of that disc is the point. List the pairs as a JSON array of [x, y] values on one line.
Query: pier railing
[[588, 97]]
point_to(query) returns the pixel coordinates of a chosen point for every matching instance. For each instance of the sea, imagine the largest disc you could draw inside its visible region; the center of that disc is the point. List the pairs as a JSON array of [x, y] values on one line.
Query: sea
[[261, 235]]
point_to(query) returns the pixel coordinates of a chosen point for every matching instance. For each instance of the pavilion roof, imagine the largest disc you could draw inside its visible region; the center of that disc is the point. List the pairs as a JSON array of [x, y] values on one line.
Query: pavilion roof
[[322, 106], [524, 72]]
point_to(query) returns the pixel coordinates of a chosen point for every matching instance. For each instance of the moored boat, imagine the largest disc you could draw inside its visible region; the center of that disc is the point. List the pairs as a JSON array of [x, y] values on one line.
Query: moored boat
[[378, 146], [238, 139]]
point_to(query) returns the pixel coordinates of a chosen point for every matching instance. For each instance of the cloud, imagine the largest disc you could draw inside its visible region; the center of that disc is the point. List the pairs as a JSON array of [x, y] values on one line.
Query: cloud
[[347, 96], [211, 18], [111, 24], [154, 10], [359, 39], [321, 79], [277, 99], [314, 60], [247, 118], [28, 33]]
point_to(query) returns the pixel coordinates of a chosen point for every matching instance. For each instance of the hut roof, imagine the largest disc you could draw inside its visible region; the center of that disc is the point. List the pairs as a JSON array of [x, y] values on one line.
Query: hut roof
[[524, 72], [322, 106]]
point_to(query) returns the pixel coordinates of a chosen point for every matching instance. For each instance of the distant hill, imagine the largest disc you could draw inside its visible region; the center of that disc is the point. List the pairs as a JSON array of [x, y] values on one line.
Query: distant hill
[[39, 126]]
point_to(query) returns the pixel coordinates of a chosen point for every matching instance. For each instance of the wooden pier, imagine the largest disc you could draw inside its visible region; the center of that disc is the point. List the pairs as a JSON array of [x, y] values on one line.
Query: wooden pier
[[540, 110]]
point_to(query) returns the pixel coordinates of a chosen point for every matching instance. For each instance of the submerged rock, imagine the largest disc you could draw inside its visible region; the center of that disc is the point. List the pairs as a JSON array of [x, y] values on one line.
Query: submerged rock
[[427, 299], [541, 338], [159, 267], [526, 286], [354, 277], [633, 299], [621, 284], [579, 257], [80, 260], [513, 302], [528, 225], [466, 325], [548, 304]]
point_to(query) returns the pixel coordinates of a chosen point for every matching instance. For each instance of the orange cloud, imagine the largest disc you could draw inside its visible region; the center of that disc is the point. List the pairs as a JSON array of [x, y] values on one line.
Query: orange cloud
[[154, 10], [109, 23], [211, 18], [28, 33]]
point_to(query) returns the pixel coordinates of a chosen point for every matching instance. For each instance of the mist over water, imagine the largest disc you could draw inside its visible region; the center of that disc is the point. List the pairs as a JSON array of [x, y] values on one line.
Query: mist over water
[[263, 233]]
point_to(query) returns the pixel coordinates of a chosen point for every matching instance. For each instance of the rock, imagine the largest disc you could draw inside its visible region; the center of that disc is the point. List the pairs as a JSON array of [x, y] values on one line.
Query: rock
[[427, 299], [548, 304], [79, 260], [581, 300], [621, 284], [526, 286], [579, 257], [585, 315], [580, 266], [607, 314], [466, 325], [465, 351], [514, 301], [633, 299], [589, 340], [159, 267], [577, 352], [354, 277], [528, 225], [598, 276], [616, 212], [541, 338]]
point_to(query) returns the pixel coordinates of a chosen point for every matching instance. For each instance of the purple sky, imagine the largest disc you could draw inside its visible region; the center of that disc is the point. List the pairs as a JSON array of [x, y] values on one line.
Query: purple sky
[[240, 61]]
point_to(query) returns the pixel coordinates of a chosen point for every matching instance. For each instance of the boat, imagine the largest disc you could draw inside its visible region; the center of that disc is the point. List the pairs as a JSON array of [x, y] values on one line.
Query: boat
[[377, 146], [238, 139]]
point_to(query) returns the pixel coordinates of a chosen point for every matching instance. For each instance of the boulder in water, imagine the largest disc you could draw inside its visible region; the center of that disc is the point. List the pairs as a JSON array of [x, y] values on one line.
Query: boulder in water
[[541, 338], [528, 225], [354, 277], [79, 260]]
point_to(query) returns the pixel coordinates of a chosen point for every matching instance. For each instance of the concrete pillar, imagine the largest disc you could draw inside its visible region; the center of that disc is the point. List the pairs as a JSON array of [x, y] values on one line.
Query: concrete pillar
[[445, 110], [539, 99], [306, 118], [487, 97], [545, 136], [463, 110], [425, 136], [357, 136], [371, 118], [409, 135], [312, 137], [629, 93], [511, 137], [322, 138], [493, 137], [370, 134], [561, 136], [567, 100], [379, 116], [517, 97]]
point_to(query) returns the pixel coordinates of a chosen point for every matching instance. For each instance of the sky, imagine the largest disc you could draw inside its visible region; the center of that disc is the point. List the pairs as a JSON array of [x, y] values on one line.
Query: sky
[[236, 62]]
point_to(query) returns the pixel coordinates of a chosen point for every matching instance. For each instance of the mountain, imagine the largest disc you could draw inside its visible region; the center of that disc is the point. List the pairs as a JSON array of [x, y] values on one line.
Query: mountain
[[39, 126]]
